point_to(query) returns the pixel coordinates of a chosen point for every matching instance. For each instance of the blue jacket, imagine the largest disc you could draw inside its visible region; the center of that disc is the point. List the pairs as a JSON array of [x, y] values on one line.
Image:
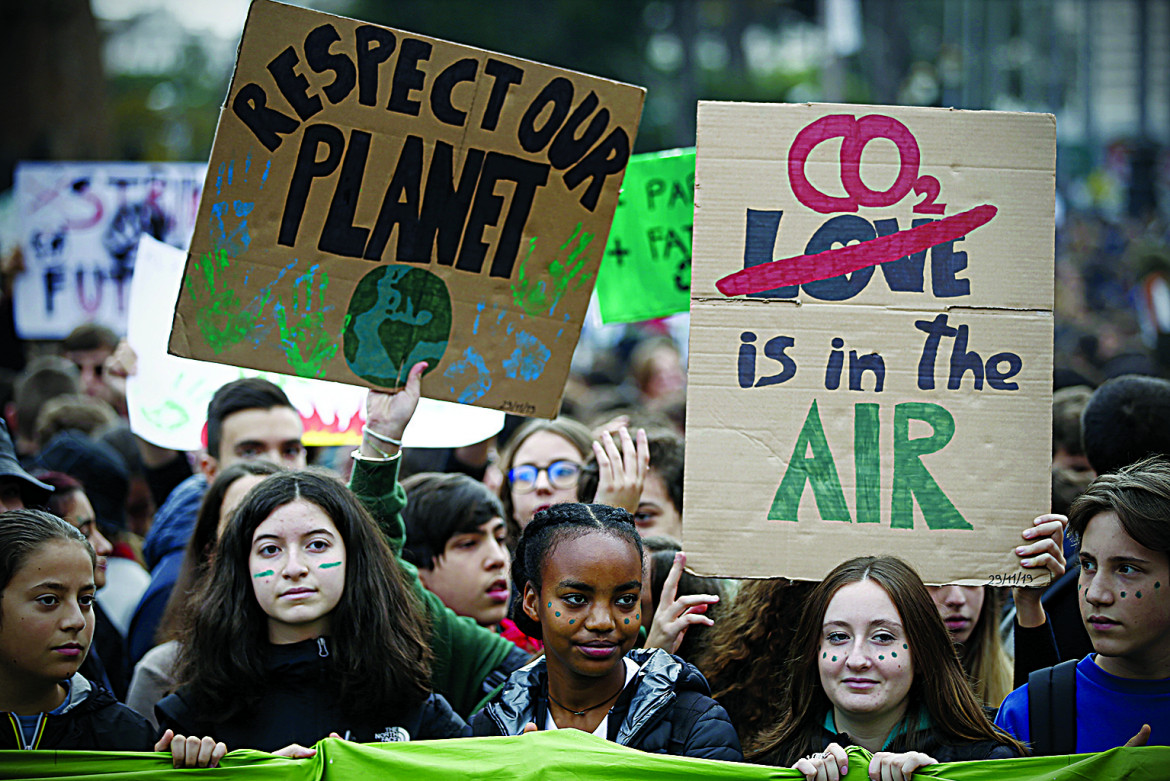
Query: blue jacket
[[163, 550], [666, 709]]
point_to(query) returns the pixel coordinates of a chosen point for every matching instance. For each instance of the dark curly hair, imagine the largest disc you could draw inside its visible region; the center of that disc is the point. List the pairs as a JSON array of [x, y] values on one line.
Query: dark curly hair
[[549, 528], [747, 650]]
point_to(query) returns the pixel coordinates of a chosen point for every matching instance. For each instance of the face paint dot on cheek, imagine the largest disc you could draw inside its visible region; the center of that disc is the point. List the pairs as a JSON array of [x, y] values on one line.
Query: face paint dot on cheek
[[881, 658], [550, 605], [1157, 584], [627, 620], [904, 647], [1123, 595], [638, 617], [558, 612], [894, 654], [264, 574], [572, 620], [1138, 595], [834, 659]]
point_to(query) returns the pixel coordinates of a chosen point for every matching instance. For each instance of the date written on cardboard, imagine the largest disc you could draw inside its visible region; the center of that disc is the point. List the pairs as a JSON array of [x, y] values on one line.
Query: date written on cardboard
[[1011, 579]]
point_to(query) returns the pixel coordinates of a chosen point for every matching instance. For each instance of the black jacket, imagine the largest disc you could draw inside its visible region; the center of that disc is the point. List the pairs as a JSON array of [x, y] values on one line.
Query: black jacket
[[300, 705], [92, 721], [666, 709]]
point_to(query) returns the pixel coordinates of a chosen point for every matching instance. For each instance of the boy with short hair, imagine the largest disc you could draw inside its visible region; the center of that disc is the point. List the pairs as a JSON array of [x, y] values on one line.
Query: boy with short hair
[[1122, 692]]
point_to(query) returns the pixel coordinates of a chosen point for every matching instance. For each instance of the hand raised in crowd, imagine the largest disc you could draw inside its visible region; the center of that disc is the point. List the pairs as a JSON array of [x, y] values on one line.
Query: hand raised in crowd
[[1044, 548], [829, 765], [388, 413], [191, 751], [674, 617], [1141, 738], [621, 474]]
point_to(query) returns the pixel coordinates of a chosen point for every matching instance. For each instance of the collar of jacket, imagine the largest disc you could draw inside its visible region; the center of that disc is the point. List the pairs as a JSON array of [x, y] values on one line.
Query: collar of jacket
[[658, 673]]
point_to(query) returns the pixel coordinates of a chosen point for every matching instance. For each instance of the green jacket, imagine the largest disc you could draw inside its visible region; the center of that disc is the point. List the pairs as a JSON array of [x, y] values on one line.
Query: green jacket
[[465, 653]]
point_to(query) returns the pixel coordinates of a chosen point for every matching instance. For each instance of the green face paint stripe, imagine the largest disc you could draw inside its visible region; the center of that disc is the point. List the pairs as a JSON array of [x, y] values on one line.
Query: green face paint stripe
[[331, 564], [264, 574]]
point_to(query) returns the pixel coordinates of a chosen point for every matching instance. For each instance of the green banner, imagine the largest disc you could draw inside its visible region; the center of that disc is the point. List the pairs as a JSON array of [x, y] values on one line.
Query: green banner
[[560, 755], [646, 271]]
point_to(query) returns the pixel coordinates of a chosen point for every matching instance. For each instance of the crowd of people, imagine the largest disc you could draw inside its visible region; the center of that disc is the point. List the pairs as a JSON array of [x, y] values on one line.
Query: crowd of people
[[244, 598]]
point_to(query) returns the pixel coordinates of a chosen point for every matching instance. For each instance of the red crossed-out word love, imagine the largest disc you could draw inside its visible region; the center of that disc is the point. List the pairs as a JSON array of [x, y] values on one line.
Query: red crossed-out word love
[[855, 134]]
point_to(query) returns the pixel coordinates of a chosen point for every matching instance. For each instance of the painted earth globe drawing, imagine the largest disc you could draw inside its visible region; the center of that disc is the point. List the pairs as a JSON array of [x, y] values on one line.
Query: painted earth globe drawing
[[398, 315]]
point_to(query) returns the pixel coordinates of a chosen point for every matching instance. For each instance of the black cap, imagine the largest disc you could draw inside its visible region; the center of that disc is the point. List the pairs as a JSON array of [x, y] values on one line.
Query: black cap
[[34, 492]]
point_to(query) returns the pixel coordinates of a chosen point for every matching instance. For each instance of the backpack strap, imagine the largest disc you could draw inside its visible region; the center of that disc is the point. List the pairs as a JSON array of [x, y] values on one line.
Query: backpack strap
[[1052, 709]]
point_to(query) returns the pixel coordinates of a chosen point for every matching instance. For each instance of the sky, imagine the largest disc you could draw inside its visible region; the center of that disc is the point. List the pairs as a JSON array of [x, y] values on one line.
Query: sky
[[223, 18]]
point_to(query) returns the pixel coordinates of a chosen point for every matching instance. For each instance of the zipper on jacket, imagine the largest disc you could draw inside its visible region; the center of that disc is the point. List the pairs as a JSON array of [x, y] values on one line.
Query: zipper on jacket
[[322, 649]]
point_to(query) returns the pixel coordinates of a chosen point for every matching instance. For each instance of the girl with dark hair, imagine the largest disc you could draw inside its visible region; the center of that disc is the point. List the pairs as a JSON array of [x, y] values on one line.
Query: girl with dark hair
[[578, 568], [873, 665], [154, 675], [46, 626], [306, 627]]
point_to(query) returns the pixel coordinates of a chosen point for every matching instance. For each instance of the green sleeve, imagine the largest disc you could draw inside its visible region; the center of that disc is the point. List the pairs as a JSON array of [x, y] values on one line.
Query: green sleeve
[[465, 653]]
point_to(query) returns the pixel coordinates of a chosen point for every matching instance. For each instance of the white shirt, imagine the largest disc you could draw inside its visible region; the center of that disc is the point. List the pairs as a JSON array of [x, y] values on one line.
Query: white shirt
[[602, 730]]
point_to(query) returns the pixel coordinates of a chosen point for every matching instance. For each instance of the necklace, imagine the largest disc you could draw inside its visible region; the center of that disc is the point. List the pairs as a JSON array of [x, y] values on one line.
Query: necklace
[[591, 707]]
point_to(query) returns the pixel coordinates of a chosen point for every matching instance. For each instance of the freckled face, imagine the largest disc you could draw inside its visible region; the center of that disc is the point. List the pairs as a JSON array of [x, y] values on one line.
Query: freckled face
[[1125, 600], [864, 661], [588, 606], [297, 564]]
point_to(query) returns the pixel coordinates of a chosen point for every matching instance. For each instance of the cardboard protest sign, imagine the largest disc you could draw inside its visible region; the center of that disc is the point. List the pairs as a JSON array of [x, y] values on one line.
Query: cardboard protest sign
[[80, 224], [871, 339], [167, 397], [647, 268], [376, 198]]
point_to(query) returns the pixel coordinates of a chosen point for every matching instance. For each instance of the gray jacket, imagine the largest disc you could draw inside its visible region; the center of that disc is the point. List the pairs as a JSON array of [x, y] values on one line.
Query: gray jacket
[[669, 711]]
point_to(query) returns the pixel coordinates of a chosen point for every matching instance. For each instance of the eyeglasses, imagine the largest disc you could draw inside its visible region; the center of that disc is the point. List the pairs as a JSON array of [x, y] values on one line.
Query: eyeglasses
[[561, 474]]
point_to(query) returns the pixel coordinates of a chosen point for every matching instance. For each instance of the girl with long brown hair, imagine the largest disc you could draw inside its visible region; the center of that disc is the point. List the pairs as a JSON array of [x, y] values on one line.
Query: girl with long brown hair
[[304, 627], [873, 665]]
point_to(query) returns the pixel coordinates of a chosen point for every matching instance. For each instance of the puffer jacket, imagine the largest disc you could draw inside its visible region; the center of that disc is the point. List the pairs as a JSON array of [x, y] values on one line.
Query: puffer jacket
[[666, 709], [91, 721]]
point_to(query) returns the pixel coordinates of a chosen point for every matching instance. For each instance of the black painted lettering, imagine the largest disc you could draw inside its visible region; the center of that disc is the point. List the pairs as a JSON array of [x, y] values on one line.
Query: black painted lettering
[[319, 58], [408, 77], [441, 105], [374, 47], [445, 206], [307, 169], [558, 95], [607, 158], [340, 236], [400, 205], [294, 86], [267, 124], [504, 76], [566, 147], [528, 176]]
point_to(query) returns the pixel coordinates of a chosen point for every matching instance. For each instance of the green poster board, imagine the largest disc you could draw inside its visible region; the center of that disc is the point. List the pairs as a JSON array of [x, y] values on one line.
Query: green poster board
[[646, 271]]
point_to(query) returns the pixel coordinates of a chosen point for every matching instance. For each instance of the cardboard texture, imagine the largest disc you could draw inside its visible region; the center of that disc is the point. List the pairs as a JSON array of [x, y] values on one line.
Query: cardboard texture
[[377, 197], [647, 268], [903, 408], [79, 228], [167, 397]]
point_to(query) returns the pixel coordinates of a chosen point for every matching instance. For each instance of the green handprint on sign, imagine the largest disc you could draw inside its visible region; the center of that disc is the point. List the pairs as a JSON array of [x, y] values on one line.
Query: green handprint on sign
[[307, 345], [221, 318]]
